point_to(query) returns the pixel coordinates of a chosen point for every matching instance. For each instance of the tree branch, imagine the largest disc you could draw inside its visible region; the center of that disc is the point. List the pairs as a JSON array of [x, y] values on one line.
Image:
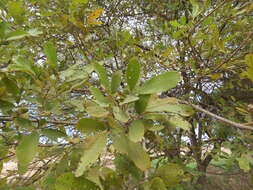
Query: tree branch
[[223, 120], [57, 122]]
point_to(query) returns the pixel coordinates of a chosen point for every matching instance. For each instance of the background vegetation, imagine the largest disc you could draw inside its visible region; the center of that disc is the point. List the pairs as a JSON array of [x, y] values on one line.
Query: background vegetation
[[161, 89]]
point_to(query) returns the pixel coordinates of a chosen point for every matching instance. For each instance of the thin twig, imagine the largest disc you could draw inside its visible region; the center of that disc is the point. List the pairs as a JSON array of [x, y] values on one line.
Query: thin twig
[[248, 38], [58, 122], [202, 20], [223, 120]]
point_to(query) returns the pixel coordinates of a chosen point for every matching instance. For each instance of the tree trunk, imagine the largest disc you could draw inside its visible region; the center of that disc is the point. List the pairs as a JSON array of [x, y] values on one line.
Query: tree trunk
[[202, 167], [201, 181]]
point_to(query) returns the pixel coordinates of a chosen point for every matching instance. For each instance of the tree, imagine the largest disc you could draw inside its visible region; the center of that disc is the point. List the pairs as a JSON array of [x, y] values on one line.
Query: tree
[[158, 85]]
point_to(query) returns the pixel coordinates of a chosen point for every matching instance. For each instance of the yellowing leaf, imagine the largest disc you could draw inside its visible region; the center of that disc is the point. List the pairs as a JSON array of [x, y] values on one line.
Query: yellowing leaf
[[99, 97], [215, 76], [249, 62], [94, 15], [95, 110], [136, 131], [129, 99], [178, 121], [133, 150], [169, 105], [171, 174], [157, 184], [93, 148], [120, 115], [244, 162], [96, 23]]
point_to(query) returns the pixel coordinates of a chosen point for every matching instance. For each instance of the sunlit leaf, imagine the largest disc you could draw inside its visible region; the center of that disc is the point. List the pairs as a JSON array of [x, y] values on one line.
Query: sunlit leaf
[[142, 103], [102, 76], [157, 184], [129, 99], [136, 131], [50, 52], [244, 162], [93, 148], [134, 151], [99, 97], [133, 73], [160, 83], [120, 115], [53, 134], [27, 150], [94, 15], [178, 121], [116, 80], [95, 110], [170, 173], [164, 106]]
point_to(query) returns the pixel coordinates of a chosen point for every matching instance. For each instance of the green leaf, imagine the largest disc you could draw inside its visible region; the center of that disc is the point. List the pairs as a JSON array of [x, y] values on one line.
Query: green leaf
[[80, 1], [157, 184], [120, 115], [6, 106], [27, 150], [3, 29], [170, 173], [249, 62], [133, 150], [34, 32], [53, 134], [244, 162], [18, 34], [174, 23], [133, 73], [126, 166], [160, 83], [68, 181], [165, 106], [195, 8], [129, 99], [11, 86], [94, 176], [156, 128], [116, 80], [95, 110], [23, 122], [100, 98], [94, 146], [50, 52], [103, 78], [111, 180], [178, 121], [156, 103], [89, 125], [250, 73], [16, 10], [136, 131], [75, 72], [21, 65], [142, 103]]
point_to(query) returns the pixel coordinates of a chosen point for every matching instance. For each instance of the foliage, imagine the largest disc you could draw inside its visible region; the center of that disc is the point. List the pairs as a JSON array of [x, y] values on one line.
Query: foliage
[[149, 85]]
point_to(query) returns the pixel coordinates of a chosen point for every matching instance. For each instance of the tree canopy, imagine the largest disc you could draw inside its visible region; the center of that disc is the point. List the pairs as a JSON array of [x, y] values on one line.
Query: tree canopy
[[158, 88]]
